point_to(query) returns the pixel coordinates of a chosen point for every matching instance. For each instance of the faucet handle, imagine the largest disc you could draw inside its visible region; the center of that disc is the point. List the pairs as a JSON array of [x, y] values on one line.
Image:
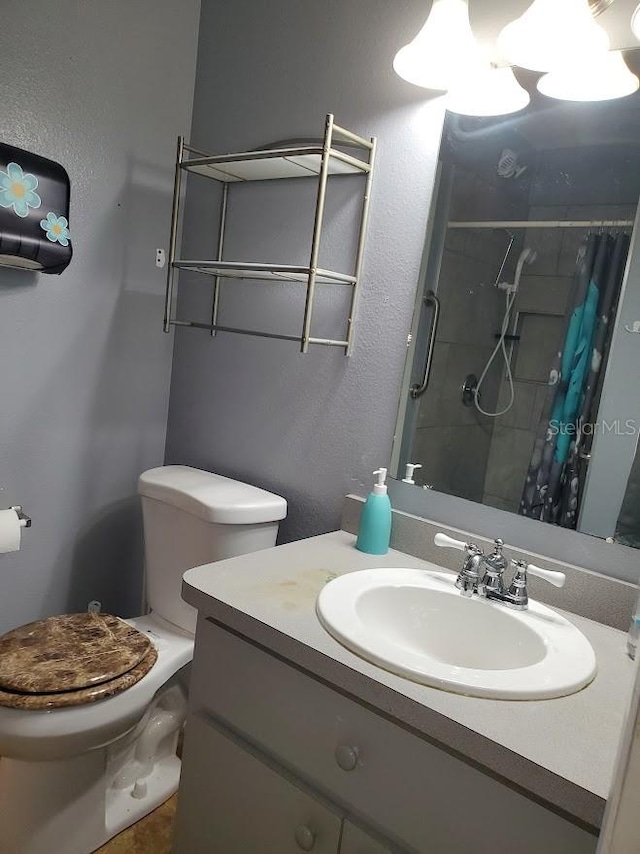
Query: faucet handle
[[446, 542], [518, 593], [522, 568], [556, 578]]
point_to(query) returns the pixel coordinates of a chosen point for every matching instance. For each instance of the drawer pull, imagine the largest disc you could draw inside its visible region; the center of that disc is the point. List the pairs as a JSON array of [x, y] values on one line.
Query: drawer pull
[[346, 757], [305, 837]]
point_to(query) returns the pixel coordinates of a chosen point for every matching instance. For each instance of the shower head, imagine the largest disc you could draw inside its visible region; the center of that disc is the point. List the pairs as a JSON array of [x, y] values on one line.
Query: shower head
[[509, 165], [527, 256]]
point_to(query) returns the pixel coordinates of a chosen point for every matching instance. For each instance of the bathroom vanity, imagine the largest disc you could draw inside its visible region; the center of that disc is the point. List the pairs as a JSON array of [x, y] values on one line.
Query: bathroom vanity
[[295, 744]]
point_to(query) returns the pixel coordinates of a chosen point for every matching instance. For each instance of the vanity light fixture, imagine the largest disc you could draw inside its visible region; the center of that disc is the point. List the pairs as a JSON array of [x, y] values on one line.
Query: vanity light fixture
[[490, 91], [443, 51], [601, 77], [550, 34]]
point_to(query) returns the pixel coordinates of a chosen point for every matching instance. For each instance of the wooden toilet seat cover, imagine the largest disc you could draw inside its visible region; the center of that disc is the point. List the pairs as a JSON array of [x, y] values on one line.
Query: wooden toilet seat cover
[[70, 660]]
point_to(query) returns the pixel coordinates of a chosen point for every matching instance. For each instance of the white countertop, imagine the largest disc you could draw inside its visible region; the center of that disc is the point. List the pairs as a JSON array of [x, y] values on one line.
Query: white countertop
[[561, 751]]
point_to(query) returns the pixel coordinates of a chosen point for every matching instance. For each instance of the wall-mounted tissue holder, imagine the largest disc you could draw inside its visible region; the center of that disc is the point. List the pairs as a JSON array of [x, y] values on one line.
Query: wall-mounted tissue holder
[[34, 212], [23, 520], [12, 521]]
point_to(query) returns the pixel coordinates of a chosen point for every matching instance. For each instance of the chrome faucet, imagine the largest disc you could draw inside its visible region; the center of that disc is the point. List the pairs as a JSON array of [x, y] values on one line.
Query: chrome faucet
[[483, 575]]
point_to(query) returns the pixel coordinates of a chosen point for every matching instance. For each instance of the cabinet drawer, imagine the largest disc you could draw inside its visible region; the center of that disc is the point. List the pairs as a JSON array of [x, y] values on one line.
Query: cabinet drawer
[[394, 780], [232, 803]]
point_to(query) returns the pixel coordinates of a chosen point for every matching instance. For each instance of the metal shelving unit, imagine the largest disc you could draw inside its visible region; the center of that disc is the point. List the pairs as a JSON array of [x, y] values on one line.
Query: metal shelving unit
[[319, 160]]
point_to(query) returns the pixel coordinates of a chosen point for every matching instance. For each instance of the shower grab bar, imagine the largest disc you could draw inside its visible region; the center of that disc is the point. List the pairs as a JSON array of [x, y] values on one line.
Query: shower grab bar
[[416, 390]]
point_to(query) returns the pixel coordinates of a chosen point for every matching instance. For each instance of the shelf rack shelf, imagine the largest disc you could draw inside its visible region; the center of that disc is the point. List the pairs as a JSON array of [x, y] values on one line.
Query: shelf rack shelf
[[263, 272], [315, 160], [273, 164]]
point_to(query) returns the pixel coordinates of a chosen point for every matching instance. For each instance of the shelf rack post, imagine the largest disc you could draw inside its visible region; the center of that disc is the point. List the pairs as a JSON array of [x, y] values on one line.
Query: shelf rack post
[[173, 237], [216, 279], [364, 219], [317, 230]]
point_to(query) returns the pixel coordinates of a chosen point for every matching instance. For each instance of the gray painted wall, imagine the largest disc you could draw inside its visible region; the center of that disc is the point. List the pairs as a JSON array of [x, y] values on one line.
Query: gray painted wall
[[84, 387], [310, 427]]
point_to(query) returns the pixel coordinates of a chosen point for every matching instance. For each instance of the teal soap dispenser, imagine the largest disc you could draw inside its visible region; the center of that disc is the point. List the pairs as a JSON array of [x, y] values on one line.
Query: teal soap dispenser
[[375, 522]]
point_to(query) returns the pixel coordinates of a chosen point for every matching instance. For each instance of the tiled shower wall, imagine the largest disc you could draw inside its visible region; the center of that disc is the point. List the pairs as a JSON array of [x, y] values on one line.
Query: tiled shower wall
[[452, 440], [563, 188]]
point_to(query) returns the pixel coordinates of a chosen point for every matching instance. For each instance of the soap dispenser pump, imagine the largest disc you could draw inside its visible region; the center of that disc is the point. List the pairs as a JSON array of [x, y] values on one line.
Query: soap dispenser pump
[[375, 522]]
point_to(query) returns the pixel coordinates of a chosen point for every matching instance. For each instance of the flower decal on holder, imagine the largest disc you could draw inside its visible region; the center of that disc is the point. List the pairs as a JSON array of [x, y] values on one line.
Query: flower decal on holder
[[57, 229], [17, 190]]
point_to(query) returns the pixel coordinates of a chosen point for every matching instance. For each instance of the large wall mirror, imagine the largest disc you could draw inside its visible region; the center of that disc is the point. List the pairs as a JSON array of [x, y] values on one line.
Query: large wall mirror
[[521, 388]]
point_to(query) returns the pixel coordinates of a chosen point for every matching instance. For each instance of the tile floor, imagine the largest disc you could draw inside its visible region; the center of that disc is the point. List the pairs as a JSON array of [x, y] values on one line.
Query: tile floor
[[151, 835]]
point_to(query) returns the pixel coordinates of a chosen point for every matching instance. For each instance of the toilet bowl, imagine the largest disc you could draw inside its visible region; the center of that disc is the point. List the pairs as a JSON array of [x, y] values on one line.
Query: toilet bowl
[[76, 770]]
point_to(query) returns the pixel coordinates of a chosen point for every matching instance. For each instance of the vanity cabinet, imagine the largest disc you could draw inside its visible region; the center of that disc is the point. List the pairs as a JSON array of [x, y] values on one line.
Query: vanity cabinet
[[230, 801], [269, 747], [243, 804]]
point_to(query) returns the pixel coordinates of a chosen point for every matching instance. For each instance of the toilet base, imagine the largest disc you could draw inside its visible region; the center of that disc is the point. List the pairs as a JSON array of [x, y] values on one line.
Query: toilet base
[[126, 806], [77, 804], [60, 806]]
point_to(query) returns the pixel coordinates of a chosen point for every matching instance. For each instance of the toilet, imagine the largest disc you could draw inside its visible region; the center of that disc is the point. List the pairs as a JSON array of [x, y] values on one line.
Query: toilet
[[91, 705]]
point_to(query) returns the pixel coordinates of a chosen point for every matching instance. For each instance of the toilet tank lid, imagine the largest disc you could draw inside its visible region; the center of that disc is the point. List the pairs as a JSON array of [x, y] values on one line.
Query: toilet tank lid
[[211, 497]]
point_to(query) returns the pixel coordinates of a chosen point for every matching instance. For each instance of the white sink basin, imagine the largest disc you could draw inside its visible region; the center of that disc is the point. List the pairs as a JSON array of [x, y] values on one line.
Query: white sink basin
[[415, 623]]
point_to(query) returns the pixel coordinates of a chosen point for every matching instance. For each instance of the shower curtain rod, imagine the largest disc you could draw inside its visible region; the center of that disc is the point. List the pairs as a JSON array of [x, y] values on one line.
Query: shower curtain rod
[[546, 223]]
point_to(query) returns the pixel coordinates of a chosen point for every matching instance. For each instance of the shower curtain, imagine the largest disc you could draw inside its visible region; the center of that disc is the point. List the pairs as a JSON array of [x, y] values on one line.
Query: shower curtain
[[555, 478]]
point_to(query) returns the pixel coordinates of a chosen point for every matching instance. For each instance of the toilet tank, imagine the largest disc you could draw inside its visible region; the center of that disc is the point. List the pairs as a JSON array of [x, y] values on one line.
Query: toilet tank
[[192, 517]]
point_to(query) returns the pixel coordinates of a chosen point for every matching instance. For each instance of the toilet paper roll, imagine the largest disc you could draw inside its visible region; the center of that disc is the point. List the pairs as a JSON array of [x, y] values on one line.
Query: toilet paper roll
[[10, 530]]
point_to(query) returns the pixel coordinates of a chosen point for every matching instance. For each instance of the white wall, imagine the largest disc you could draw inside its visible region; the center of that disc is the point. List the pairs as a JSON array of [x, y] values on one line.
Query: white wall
[[104, 88]]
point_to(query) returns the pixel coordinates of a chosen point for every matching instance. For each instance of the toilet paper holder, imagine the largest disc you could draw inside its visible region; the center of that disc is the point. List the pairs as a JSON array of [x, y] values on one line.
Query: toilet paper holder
[[25, 521]]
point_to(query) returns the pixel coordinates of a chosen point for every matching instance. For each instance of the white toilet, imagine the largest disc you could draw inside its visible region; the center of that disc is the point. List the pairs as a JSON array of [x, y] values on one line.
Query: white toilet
[[94, 752]]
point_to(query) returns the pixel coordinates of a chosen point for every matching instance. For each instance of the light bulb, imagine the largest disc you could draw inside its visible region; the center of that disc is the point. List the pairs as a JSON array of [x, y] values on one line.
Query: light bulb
[[551, 33], [602, 77], [444, 49], [488, 92]]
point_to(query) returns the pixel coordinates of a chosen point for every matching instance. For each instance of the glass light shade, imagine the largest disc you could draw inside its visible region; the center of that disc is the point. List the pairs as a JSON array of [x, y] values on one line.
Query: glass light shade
[[551, 33], [598, 78], [635, 23], [489, 92], [443, 50]]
